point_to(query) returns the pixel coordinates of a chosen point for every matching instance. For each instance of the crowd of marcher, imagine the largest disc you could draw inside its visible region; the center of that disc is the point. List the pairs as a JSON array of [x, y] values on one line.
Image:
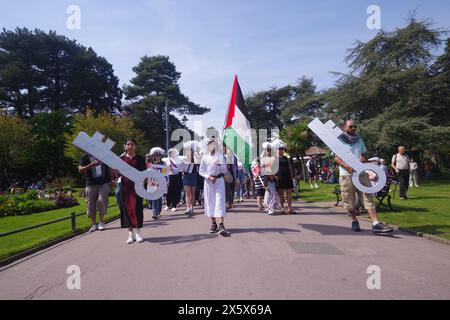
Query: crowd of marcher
[[210, 175]]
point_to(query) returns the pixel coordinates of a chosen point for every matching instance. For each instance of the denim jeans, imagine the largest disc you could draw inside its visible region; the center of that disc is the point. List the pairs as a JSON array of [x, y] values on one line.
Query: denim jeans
[[157, 207]]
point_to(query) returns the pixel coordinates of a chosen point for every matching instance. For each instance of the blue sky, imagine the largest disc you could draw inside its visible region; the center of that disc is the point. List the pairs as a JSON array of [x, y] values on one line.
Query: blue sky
[[266, 43]]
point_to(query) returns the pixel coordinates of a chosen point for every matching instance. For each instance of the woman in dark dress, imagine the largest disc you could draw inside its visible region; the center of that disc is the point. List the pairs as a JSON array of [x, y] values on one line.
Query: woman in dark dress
[[190, 176], [130, 204], [285, 179]]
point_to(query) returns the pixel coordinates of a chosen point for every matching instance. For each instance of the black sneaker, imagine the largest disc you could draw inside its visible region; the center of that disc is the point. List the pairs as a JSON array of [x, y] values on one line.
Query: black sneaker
[[355, 226], [213, 229], [223, 232], [190, 213], [380, 228]]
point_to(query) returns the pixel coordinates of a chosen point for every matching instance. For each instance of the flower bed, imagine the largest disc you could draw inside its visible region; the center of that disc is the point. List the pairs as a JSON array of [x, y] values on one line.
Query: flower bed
[[29, 202]]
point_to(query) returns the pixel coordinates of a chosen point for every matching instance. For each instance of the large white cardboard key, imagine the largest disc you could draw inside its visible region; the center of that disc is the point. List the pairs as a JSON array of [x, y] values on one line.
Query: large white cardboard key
[[329, 134], [102, 151]]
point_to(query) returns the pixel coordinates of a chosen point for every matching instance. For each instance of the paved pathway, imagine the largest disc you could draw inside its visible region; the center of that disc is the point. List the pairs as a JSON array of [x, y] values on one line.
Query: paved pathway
[[309, 255]]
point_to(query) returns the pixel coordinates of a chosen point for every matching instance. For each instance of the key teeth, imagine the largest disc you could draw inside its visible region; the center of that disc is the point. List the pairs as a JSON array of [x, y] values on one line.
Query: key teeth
[[330, 124], [98, 136], [336, 132], [109, 143]]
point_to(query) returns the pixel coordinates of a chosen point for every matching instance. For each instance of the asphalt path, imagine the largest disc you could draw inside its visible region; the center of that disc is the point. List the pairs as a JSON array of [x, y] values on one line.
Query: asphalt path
[[310, 255]]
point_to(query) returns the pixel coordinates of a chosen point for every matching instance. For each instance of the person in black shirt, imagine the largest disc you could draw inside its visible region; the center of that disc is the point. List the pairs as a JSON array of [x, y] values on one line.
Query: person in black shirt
[[98, 186]]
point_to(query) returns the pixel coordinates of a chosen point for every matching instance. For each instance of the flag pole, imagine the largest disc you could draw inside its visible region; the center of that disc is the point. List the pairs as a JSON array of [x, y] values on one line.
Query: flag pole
[[167, 126]]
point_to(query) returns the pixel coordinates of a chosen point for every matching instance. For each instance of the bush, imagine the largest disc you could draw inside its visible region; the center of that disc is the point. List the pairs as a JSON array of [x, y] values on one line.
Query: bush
[[65, 183], [29, 203], [11, 208], [64, 201]]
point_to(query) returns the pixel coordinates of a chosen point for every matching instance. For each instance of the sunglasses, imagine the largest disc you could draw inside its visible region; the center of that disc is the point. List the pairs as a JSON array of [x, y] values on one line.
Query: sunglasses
[[352, 127]]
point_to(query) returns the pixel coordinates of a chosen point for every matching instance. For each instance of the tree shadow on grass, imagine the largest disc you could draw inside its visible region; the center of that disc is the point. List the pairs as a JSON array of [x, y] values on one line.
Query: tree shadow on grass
[[400, 209]]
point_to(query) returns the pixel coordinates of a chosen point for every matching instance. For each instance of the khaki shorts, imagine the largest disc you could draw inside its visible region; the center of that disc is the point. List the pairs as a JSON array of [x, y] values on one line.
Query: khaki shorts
[[97, 199], [348, 193]]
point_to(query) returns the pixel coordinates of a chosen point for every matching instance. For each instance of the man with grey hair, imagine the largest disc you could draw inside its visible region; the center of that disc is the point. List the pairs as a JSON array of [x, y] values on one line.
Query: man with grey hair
[[348, 190], [400, 163]]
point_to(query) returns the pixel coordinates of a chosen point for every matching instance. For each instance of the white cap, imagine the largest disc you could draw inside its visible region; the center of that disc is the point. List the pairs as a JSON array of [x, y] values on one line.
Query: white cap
[[156, 150]]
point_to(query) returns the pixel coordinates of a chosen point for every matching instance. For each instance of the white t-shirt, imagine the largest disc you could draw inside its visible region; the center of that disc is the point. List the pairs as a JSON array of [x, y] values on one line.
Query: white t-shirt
[[400, 161]]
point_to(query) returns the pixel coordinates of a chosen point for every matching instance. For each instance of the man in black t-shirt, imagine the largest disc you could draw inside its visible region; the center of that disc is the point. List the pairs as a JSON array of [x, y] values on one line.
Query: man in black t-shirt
[[98, 186]]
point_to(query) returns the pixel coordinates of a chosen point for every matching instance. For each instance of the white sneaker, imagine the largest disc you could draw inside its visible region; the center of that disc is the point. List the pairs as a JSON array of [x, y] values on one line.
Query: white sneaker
[[93, 228], [317, 187], [312, 186], [101, 226], [138, 236], [174, 209], [130, 238], [270, 212], [166, 208]]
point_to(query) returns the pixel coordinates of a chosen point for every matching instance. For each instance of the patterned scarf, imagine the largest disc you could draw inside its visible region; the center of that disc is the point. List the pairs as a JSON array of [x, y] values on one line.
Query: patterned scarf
[[350, 139]]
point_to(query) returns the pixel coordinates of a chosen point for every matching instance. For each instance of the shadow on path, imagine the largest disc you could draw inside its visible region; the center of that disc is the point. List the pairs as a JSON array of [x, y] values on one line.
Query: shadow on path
[[199, 237], [327, 230]]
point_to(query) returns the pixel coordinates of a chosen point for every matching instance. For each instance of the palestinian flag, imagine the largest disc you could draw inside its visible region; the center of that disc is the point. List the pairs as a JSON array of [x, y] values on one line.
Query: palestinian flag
[[237, 133]]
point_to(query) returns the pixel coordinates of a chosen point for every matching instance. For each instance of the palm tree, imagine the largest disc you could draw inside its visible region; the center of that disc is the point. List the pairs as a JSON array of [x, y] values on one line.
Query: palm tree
[[298, 139]]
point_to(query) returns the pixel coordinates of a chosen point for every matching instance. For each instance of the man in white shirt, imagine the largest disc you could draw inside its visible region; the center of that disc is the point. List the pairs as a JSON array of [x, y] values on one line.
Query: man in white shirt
[[400, 163]]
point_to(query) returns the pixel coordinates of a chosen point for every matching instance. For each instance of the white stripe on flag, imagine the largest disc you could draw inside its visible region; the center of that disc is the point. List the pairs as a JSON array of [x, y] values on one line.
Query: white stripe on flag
[[242, 126]]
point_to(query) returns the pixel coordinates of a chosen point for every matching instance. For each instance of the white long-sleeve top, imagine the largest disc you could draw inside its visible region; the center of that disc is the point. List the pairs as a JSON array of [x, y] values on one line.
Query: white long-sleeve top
[[212, 165], [175, 168]]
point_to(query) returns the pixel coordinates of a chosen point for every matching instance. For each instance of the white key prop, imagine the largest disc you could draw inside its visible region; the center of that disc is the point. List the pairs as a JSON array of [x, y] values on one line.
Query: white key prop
[[329, 134], [102, 151]]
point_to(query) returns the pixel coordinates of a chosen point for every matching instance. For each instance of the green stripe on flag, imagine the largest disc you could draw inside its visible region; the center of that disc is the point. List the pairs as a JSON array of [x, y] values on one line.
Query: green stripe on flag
[[238, 145]]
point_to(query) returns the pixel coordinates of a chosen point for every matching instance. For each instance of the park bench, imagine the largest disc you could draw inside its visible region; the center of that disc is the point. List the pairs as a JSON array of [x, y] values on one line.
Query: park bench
[[381, 195]]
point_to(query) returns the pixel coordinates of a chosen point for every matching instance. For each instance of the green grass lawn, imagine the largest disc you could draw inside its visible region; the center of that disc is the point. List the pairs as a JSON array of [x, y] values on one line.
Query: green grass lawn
[[16, 243], [427, 209]]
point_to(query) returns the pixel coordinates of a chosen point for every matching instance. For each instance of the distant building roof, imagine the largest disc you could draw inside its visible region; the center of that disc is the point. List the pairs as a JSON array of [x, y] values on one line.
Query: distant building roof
[[313, 151]]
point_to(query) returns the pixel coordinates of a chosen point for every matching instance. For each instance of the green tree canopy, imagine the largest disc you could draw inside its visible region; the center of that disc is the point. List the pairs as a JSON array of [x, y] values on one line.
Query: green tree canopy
[[398, 89], [308, 102], [48, 158], [265, 107], [42, 72], [157, 79], [117, 128], [15, 149]]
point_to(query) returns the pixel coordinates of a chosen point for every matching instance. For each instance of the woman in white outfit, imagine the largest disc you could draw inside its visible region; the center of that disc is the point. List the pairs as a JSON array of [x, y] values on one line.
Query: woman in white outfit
[[213, 168], [268, 170]]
